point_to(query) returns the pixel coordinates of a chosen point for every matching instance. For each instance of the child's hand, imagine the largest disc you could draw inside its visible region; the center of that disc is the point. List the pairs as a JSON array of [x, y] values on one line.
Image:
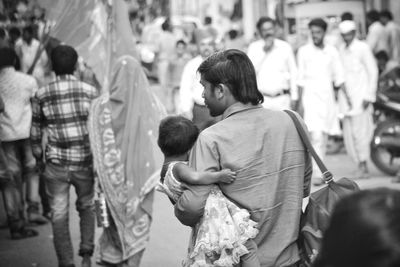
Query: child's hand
[[226, 176]]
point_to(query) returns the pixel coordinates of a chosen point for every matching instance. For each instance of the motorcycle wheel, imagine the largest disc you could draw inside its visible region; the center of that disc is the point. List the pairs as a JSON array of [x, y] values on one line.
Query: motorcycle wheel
[[381, 155]]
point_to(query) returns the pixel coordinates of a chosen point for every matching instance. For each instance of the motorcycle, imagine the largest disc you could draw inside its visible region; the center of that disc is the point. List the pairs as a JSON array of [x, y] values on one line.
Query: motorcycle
[[385, 144]]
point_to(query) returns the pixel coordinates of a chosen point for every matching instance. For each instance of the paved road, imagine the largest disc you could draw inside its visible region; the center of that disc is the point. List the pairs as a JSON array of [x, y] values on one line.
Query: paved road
[[168, 241]]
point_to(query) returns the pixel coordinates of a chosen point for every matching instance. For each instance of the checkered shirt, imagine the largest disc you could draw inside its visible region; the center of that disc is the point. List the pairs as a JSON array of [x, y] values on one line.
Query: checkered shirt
[[62, 108]]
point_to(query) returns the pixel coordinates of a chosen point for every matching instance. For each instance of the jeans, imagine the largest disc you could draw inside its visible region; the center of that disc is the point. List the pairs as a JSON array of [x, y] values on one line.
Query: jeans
[[20, 164], [58, 181]]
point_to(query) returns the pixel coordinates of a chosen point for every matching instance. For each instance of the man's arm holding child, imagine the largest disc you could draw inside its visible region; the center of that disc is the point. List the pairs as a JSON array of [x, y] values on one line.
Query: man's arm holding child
[[188, 175], [190, 206]]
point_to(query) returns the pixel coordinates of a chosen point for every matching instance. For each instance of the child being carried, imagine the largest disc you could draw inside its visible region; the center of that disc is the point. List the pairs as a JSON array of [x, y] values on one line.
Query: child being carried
[[223, 237]]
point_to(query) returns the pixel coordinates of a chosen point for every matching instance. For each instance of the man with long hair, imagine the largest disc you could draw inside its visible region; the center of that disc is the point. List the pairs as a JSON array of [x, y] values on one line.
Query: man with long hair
[[262, 146]]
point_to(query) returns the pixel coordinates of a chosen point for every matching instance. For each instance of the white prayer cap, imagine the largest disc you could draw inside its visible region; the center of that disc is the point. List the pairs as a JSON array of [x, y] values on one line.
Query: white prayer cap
[[347, 26]]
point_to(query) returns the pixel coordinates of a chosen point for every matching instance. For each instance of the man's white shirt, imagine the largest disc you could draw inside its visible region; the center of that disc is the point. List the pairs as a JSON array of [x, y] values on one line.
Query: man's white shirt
[[191, 90], [361, 74], [276, 69], [319, 69]]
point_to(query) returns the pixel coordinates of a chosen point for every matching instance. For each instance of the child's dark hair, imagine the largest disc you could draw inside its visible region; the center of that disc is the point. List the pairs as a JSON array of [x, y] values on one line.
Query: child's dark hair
[[176, 135]]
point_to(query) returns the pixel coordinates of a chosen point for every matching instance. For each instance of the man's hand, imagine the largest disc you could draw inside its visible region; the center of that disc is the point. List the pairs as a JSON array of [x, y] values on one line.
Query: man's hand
[[226, 176]]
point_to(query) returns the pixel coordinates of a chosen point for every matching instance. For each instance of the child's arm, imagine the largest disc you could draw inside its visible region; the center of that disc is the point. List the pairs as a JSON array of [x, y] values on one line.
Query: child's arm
[[186, 174]]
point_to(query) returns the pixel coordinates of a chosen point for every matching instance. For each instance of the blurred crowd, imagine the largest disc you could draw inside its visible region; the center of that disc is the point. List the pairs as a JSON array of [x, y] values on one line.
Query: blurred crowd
[[332, 86]]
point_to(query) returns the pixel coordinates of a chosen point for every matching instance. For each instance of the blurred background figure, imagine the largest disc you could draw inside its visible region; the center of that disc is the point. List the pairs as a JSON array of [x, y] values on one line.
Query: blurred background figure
[[190, 92], [166, 50], [16, 90], [235, 41], [319, 70], [3, 38], [209, 28], [364, 231], [175, 70], [15, 39], [377, 37], [34, 60], [385, 64], [361, 79], [275, 66], [393, 31]]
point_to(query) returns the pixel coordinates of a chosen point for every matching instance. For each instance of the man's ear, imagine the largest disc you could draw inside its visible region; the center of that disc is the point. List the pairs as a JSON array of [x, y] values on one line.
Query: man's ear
[[221, 90]]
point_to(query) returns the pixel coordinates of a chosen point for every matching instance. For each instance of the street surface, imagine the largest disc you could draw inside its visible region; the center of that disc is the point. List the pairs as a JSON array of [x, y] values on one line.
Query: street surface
[[168, 240]]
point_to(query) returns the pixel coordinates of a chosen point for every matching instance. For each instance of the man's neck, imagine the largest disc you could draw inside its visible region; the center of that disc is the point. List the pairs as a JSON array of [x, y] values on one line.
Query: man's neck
[[269, 49], [320, 45], [349, 43]]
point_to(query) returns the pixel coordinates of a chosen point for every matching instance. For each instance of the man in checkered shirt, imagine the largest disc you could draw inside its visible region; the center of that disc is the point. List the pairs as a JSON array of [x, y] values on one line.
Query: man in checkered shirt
[[62, 108]]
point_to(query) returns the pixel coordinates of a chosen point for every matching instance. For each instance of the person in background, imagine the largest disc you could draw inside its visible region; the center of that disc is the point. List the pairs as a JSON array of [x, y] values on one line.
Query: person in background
[[234, 41], [166, 50], [34, 60], [333, 37], [209, 28], [385, 65], [176, 66], [3, 38], [393, 30], [275, 66], [16, 90], [190, 91], [319, 70], [377, 37], [388, 83], [346, 16], [62, 108], [361, 80], [364, 231], [15, 37]]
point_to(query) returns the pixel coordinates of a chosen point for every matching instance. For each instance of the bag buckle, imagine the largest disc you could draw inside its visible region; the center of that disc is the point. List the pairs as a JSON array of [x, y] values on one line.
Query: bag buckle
[[328, 177]]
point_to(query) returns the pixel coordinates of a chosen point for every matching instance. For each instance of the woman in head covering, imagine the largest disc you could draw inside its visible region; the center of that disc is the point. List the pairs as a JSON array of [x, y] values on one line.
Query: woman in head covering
[[123, 128]]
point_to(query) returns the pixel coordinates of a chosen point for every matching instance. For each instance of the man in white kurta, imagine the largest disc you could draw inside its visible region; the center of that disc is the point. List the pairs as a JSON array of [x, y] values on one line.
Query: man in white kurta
[[361, 75], [275, 66], [319, 69]]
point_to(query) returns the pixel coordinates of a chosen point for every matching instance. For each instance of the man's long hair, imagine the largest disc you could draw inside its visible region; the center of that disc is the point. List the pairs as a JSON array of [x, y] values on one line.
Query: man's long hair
[[233, 68]]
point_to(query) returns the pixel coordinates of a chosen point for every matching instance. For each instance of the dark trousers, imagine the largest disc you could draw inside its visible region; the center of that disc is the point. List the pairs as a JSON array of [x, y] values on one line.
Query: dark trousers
[[19, 164], [58, 181]]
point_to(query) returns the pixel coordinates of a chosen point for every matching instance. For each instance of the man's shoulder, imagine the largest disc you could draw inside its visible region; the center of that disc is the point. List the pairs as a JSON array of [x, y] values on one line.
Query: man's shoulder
[[194, 63], [87, 87], [259, 42], [25, 79], [361, 45], [282, 44], [304, 48], [331, 49], [24, 76], [256, 45]]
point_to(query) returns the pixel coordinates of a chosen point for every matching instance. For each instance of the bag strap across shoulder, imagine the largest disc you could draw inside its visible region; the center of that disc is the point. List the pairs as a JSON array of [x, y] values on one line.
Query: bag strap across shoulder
[[326, 175]]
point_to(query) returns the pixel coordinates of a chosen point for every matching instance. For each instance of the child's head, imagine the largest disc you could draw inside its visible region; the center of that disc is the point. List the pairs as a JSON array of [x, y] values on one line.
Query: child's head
[[176, 135]]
